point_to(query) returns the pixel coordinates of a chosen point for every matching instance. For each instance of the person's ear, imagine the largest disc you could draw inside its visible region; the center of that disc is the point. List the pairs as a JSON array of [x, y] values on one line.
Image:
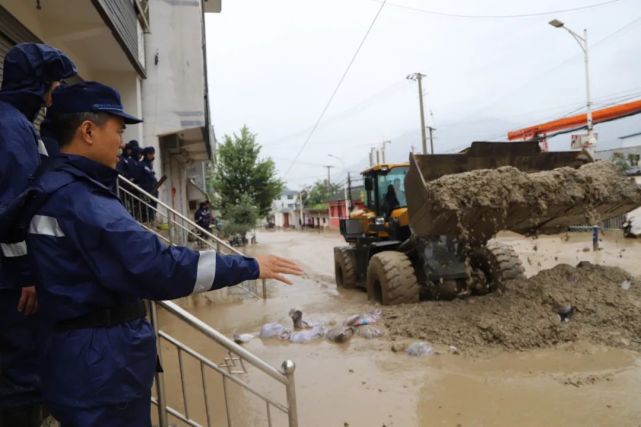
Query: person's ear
[[87, 129]]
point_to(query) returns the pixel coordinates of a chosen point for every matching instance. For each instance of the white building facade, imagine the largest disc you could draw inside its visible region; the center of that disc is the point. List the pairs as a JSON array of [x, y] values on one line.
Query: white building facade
[[152, 52]]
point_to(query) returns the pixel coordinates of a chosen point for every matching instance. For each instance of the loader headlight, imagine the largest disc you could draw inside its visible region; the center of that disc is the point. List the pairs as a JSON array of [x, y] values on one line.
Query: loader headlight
[[379, 221]]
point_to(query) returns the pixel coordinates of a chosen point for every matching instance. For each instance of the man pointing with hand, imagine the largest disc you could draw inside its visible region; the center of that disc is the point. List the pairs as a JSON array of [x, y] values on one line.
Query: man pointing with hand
[[95, 264]]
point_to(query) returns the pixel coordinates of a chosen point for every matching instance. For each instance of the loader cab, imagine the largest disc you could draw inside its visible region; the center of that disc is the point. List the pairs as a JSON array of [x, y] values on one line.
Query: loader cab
[[385, 188]]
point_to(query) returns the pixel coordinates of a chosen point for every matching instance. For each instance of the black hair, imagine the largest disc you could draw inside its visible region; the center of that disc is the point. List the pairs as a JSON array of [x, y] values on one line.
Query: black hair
[[64, 126]]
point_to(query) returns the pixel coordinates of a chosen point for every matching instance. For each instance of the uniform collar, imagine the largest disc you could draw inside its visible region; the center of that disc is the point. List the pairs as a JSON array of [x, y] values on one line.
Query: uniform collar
[[94, 170]]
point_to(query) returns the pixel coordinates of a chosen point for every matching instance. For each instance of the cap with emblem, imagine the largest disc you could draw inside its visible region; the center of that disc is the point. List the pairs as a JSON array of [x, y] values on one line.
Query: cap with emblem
[[90, 97]]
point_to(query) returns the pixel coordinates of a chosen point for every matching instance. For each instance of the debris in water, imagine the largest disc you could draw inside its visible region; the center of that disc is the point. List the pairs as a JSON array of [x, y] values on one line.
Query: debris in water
[[565, 312], [364, 319], [340, 333], [419, 348], [305, 336], [297, 318], [369, 331], [625, 285], [586, 249], [454, 350], [273, 329], [243, 338]]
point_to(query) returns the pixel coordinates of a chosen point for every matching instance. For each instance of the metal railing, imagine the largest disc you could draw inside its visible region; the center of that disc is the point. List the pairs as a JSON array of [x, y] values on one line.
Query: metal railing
[[237, 368], [152, 213], [252, 376]]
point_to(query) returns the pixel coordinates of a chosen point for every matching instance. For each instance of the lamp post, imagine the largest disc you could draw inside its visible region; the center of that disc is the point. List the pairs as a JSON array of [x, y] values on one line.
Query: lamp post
[[583, 44], [345, 186]]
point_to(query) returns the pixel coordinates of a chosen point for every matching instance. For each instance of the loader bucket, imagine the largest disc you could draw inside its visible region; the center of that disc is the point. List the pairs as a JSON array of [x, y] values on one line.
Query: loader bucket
[[432, 213]]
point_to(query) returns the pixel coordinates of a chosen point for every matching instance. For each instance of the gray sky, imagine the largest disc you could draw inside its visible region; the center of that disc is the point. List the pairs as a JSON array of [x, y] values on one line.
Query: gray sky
[[274, 64]]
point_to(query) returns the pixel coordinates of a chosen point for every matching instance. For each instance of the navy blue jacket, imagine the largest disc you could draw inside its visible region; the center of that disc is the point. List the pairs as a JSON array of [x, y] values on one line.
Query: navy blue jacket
[[89, 253], [146, 177]]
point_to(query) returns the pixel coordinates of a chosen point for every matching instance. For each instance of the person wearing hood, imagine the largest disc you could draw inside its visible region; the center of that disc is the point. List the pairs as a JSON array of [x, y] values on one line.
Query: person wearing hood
[[148, 182], [31, 72], [127, 158], [95, 264]]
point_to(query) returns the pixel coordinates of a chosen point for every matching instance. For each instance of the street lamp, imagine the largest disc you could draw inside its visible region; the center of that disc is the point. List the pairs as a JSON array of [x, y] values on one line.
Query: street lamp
[[583, 44], [345, 186]]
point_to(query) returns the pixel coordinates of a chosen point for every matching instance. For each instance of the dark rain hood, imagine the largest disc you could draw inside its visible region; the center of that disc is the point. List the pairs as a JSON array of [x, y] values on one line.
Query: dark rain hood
[[29, 70]]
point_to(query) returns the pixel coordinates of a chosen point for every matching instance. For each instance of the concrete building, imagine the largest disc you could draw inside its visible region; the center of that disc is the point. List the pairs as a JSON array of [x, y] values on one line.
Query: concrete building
[[632, 140], [285, 210], [151, 52], [337, 205]]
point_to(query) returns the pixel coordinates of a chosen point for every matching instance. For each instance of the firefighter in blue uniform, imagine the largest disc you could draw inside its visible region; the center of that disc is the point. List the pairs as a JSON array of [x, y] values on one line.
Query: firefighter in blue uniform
[[94, 264], [31, 72], [148, 182]]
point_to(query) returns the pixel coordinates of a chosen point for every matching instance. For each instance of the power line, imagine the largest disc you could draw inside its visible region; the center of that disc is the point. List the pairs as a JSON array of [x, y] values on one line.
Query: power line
[[340, 83], [553, 68], [520, 15]]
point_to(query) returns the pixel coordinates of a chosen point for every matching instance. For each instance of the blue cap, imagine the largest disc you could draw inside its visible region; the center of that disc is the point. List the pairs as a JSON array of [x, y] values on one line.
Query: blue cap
[[148, 150], [90, 97], [29, 64]]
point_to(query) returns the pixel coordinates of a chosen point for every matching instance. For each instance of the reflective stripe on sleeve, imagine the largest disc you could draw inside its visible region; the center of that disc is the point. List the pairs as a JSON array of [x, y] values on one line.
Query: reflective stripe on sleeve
[[12, 250], [45, 225], [206, 271], [42, 149]]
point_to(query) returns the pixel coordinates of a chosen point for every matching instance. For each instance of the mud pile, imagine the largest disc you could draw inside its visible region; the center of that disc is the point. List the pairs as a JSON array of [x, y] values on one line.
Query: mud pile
[[477, 204], [604, 305]]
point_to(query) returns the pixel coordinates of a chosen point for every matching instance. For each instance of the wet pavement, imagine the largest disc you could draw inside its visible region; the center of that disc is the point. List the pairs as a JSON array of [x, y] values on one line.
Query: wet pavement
[[364, 383]]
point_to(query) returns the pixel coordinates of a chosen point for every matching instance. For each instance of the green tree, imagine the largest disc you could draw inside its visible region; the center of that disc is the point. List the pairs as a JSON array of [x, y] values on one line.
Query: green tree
[[320, 193], [239, 171], [240, 217]]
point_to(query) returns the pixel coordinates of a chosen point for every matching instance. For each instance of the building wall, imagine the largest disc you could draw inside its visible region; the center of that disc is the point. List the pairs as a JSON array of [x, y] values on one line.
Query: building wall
[[78, 37], [173, 92], [631, 141]]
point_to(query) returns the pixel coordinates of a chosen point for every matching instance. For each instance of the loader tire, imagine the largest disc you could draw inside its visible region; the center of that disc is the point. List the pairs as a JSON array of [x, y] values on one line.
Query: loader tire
[[345, 268], [391, 279], [499, 262]]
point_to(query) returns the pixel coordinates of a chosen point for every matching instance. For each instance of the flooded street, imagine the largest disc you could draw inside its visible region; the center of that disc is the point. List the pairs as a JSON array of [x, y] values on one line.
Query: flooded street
[[364, 383]]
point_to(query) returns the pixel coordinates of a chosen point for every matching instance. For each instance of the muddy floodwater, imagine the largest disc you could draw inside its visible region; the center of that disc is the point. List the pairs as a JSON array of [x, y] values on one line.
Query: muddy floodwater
[[364, 383]]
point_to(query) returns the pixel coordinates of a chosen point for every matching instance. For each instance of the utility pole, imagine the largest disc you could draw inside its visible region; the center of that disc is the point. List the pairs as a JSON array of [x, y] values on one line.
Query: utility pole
[[418, 77], [383, 150], [431, 129], [329, 182]]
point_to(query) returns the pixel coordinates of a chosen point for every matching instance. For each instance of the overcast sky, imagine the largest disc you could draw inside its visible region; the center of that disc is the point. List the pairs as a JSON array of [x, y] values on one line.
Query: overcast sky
[[274, 64]]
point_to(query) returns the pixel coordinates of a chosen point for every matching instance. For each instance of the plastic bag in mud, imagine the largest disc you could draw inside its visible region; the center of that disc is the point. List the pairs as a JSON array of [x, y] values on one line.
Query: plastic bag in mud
[[273, 330], [369, 331], [419, 348], [364, 319], [307, 335]]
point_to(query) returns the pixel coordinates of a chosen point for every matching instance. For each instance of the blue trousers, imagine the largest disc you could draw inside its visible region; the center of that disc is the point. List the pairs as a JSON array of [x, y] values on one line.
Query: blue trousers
[[19, 367], [135, 413]]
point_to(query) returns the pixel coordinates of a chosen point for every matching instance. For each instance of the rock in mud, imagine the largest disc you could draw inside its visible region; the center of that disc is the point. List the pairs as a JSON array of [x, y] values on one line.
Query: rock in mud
[[340, 334]]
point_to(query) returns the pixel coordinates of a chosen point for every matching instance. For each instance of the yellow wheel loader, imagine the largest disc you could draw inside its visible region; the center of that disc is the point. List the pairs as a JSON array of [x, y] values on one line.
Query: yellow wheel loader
[[401, 247]]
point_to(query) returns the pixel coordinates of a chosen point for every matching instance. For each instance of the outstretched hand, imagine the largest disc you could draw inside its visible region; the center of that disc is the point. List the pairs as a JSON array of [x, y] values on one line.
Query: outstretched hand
[[273, 267]]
